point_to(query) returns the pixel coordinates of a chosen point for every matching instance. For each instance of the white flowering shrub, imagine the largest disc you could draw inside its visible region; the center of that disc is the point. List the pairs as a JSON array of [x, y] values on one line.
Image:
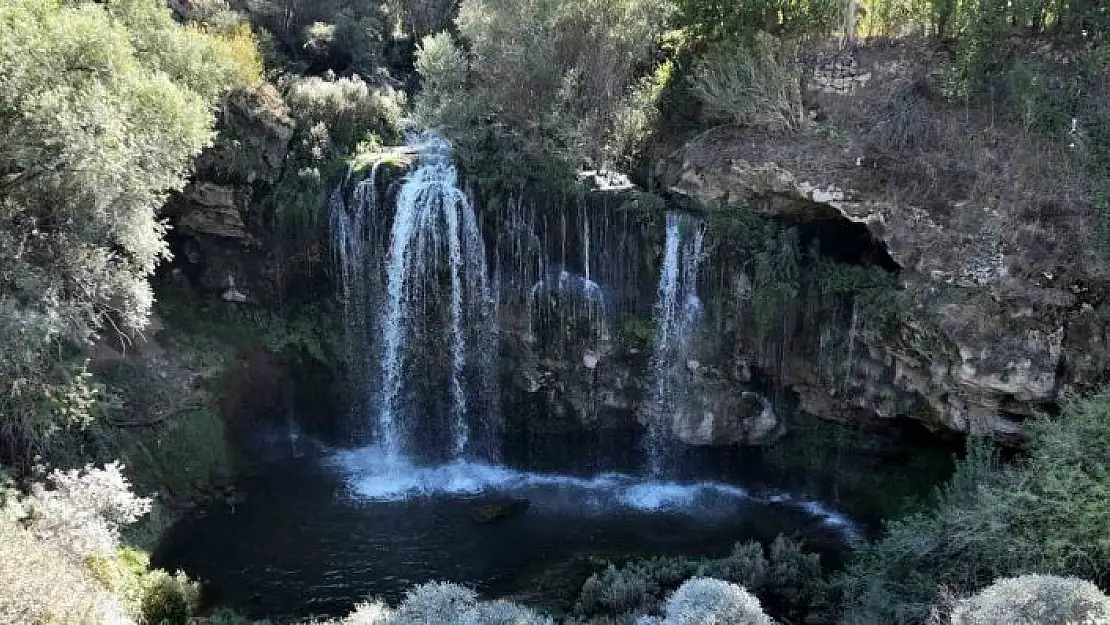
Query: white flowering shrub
[[703, 601], [443, 603], [347, 108], [84, 510], [41, 584], [369, 613], [502, 613], [1035, 600], [435, 603]]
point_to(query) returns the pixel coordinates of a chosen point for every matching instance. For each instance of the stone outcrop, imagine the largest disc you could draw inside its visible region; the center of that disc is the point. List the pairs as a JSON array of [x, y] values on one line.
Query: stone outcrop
[[998, 321], [218, 218]]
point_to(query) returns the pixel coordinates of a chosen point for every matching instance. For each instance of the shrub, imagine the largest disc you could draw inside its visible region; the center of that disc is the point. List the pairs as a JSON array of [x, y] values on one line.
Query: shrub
[[41, 584], [557, 71], [1035, 600], [790, 578], [421, 18], [369, 613], [715, 20], [442, 603], [614, 591], [356, 32], [238, 44], [434, 602], [503, 613], [703, 601], [345, 110], [794, 575], [443, 70], [752, 83], [1045, 513], [168, 599], [83, 513], [104, 106], [637, 117], [746, 565]]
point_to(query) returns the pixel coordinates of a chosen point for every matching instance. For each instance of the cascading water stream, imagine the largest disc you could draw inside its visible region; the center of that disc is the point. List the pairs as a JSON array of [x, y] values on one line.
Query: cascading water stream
[[420, 323], [434, 244], [676, 316]]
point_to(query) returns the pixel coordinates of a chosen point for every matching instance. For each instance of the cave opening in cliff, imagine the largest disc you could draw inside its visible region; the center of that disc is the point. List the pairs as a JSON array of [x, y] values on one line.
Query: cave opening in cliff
[[846, 241]]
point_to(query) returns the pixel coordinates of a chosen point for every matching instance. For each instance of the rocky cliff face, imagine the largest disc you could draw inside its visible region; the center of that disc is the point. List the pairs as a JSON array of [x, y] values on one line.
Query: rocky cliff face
[[1002, 311], [220, 219]]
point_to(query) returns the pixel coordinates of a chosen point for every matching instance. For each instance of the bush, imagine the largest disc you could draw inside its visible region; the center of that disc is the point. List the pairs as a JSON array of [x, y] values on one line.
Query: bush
[[555, 72], [41, 584], [703, 601], [789, 579], [716, 20], [104, 106], [1035, 600], [443, 68], [421, 18], [615, 591], [442, 603], [435, 602], [369, 613], [168, 599], [752, 83], [345, 110], [637, 118], [83, 511], [340, 35], [60, 560], [1045, 513]]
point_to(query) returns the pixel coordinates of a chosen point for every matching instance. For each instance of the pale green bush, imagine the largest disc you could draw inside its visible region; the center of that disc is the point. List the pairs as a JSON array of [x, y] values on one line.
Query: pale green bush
[[1035, 600], [443, 603], [704, 601], [104, 106], [1046, 513], [443, 69], [784, 574], [752, 83], [421, 18], [369, 613], [345, 110], [435, 602], [615, 591], [168, 599], [636, 118], [557, 71]]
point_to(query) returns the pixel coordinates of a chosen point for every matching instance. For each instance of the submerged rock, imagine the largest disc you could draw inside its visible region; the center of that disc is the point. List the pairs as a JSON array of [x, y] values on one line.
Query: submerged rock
[[495, 511]]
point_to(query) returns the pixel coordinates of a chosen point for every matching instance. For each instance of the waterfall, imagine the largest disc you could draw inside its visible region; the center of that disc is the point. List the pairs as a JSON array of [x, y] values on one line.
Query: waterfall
[[418, 311], [677, 312], [570, 308], [355, 247]]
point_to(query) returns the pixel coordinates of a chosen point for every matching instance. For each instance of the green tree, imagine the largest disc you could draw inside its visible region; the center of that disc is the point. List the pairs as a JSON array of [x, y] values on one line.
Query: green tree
[[102, 109]]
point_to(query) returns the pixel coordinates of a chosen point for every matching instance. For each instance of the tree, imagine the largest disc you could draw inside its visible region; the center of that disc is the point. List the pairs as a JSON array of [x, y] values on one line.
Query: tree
[[552, 72], [102, 109]]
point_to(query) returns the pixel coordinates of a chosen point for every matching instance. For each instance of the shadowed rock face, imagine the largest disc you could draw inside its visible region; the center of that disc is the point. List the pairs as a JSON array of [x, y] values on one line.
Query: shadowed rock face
[[218, 220]]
